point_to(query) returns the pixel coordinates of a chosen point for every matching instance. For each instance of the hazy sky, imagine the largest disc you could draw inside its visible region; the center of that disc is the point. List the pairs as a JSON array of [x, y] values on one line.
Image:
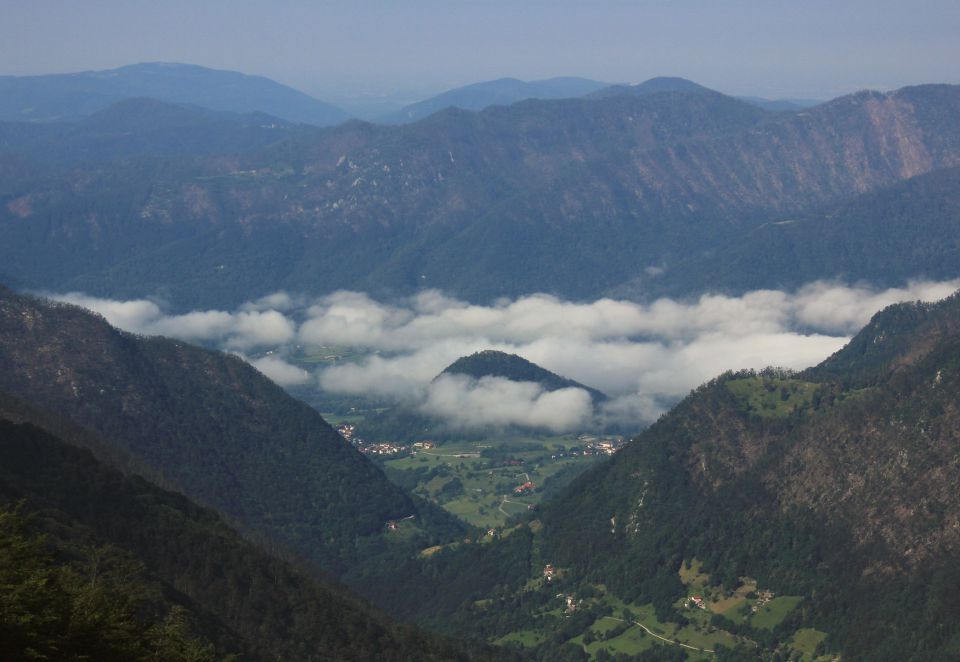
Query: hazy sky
[[800, 48]]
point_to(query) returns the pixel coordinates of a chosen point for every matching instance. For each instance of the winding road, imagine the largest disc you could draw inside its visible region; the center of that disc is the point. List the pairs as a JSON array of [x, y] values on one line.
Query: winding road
[[669, 641], [506, 500]]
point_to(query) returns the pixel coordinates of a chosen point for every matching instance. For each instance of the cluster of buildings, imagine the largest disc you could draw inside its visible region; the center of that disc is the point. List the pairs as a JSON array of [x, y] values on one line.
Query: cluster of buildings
[[696, 602], [763, 597], [572, 603], [601, 445], [348, 432], [525, 488], [394, 524], [383, 448]]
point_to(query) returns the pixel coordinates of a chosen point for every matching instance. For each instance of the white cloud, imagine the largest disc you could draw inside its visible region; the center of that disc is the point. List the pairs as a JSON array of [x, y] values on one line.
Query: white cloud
[[248, 328], [280, 371], [469, 403], [846, 309], [351, 319], [134, 316], [644, 355]]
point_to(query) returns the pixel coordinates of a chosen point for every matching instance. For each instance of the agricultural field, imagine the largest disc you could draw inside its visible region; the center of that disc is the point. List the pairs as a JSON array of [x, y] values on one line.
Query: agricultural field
[[772, 397], [488, 481], [806, 641], [630, 629]]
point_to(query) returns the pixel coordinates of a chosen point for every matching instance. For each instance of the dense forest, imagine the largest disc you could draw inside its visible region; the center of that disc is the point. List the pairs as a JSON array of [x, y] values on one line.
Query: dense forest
[[110, 566], [211, 426]]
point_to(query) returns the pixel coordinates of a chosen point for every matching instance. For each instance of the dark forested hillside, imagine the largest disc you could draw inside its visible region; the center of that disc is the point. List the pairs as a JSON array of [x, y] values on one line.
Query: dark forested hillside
[[127, 571], [832, 488], [574, 197], [210, 426]]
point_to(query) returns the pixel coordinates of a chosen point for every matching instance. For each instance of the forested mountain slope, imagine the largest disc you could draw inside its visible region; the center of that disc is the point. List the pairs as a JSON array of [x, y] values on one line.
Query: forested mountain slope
[[817, 484], [908, 230], [128, 571], [573, 197], [209, 425], [835, 487]]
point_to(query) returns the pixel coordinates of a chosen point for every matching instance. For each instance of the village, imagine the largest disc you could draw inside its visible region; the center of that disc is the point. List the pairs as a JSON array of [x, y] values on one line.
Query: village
[[489, 480], [590, 445], [387, 448]]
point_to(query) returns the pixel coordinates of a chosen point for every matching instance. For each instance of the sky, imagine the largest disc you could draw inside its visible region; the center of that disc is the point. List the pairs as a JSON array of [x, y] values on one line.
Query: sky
[[341, 49]]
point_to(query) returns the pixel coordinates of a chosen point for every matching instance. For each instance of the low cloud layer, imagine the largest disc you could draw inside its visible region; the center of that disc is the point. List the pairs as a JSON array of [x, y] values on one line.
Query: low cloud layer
[[473, 403], [644, 356], [244, 329]]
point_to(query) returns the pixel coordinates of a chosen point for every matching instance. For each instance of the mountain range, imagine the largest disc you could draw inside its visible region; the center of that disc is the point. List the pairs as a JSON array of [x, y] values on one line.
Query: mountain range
[[140, 127], [507, 91], [160, 500], [574, 197], [59, 97], [831, 487], [499, 92]]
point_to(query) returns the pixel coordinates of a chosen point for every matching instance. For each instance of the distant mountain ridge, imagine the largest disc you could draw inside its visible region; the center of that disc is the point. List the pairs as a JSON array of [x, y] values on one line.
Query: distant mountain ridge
[[58, 97], [652, 86], [140, 127], [502, 92], [778, 105]]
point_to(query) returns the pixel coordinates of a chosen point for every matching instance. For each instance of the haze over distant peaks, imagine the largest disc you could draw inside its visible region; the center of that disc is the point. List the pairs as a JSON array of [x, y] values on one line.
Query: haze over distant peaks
[[72, 96], [675, 84], [503, 92], [142, 126], [782, 104], [652, 86]]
